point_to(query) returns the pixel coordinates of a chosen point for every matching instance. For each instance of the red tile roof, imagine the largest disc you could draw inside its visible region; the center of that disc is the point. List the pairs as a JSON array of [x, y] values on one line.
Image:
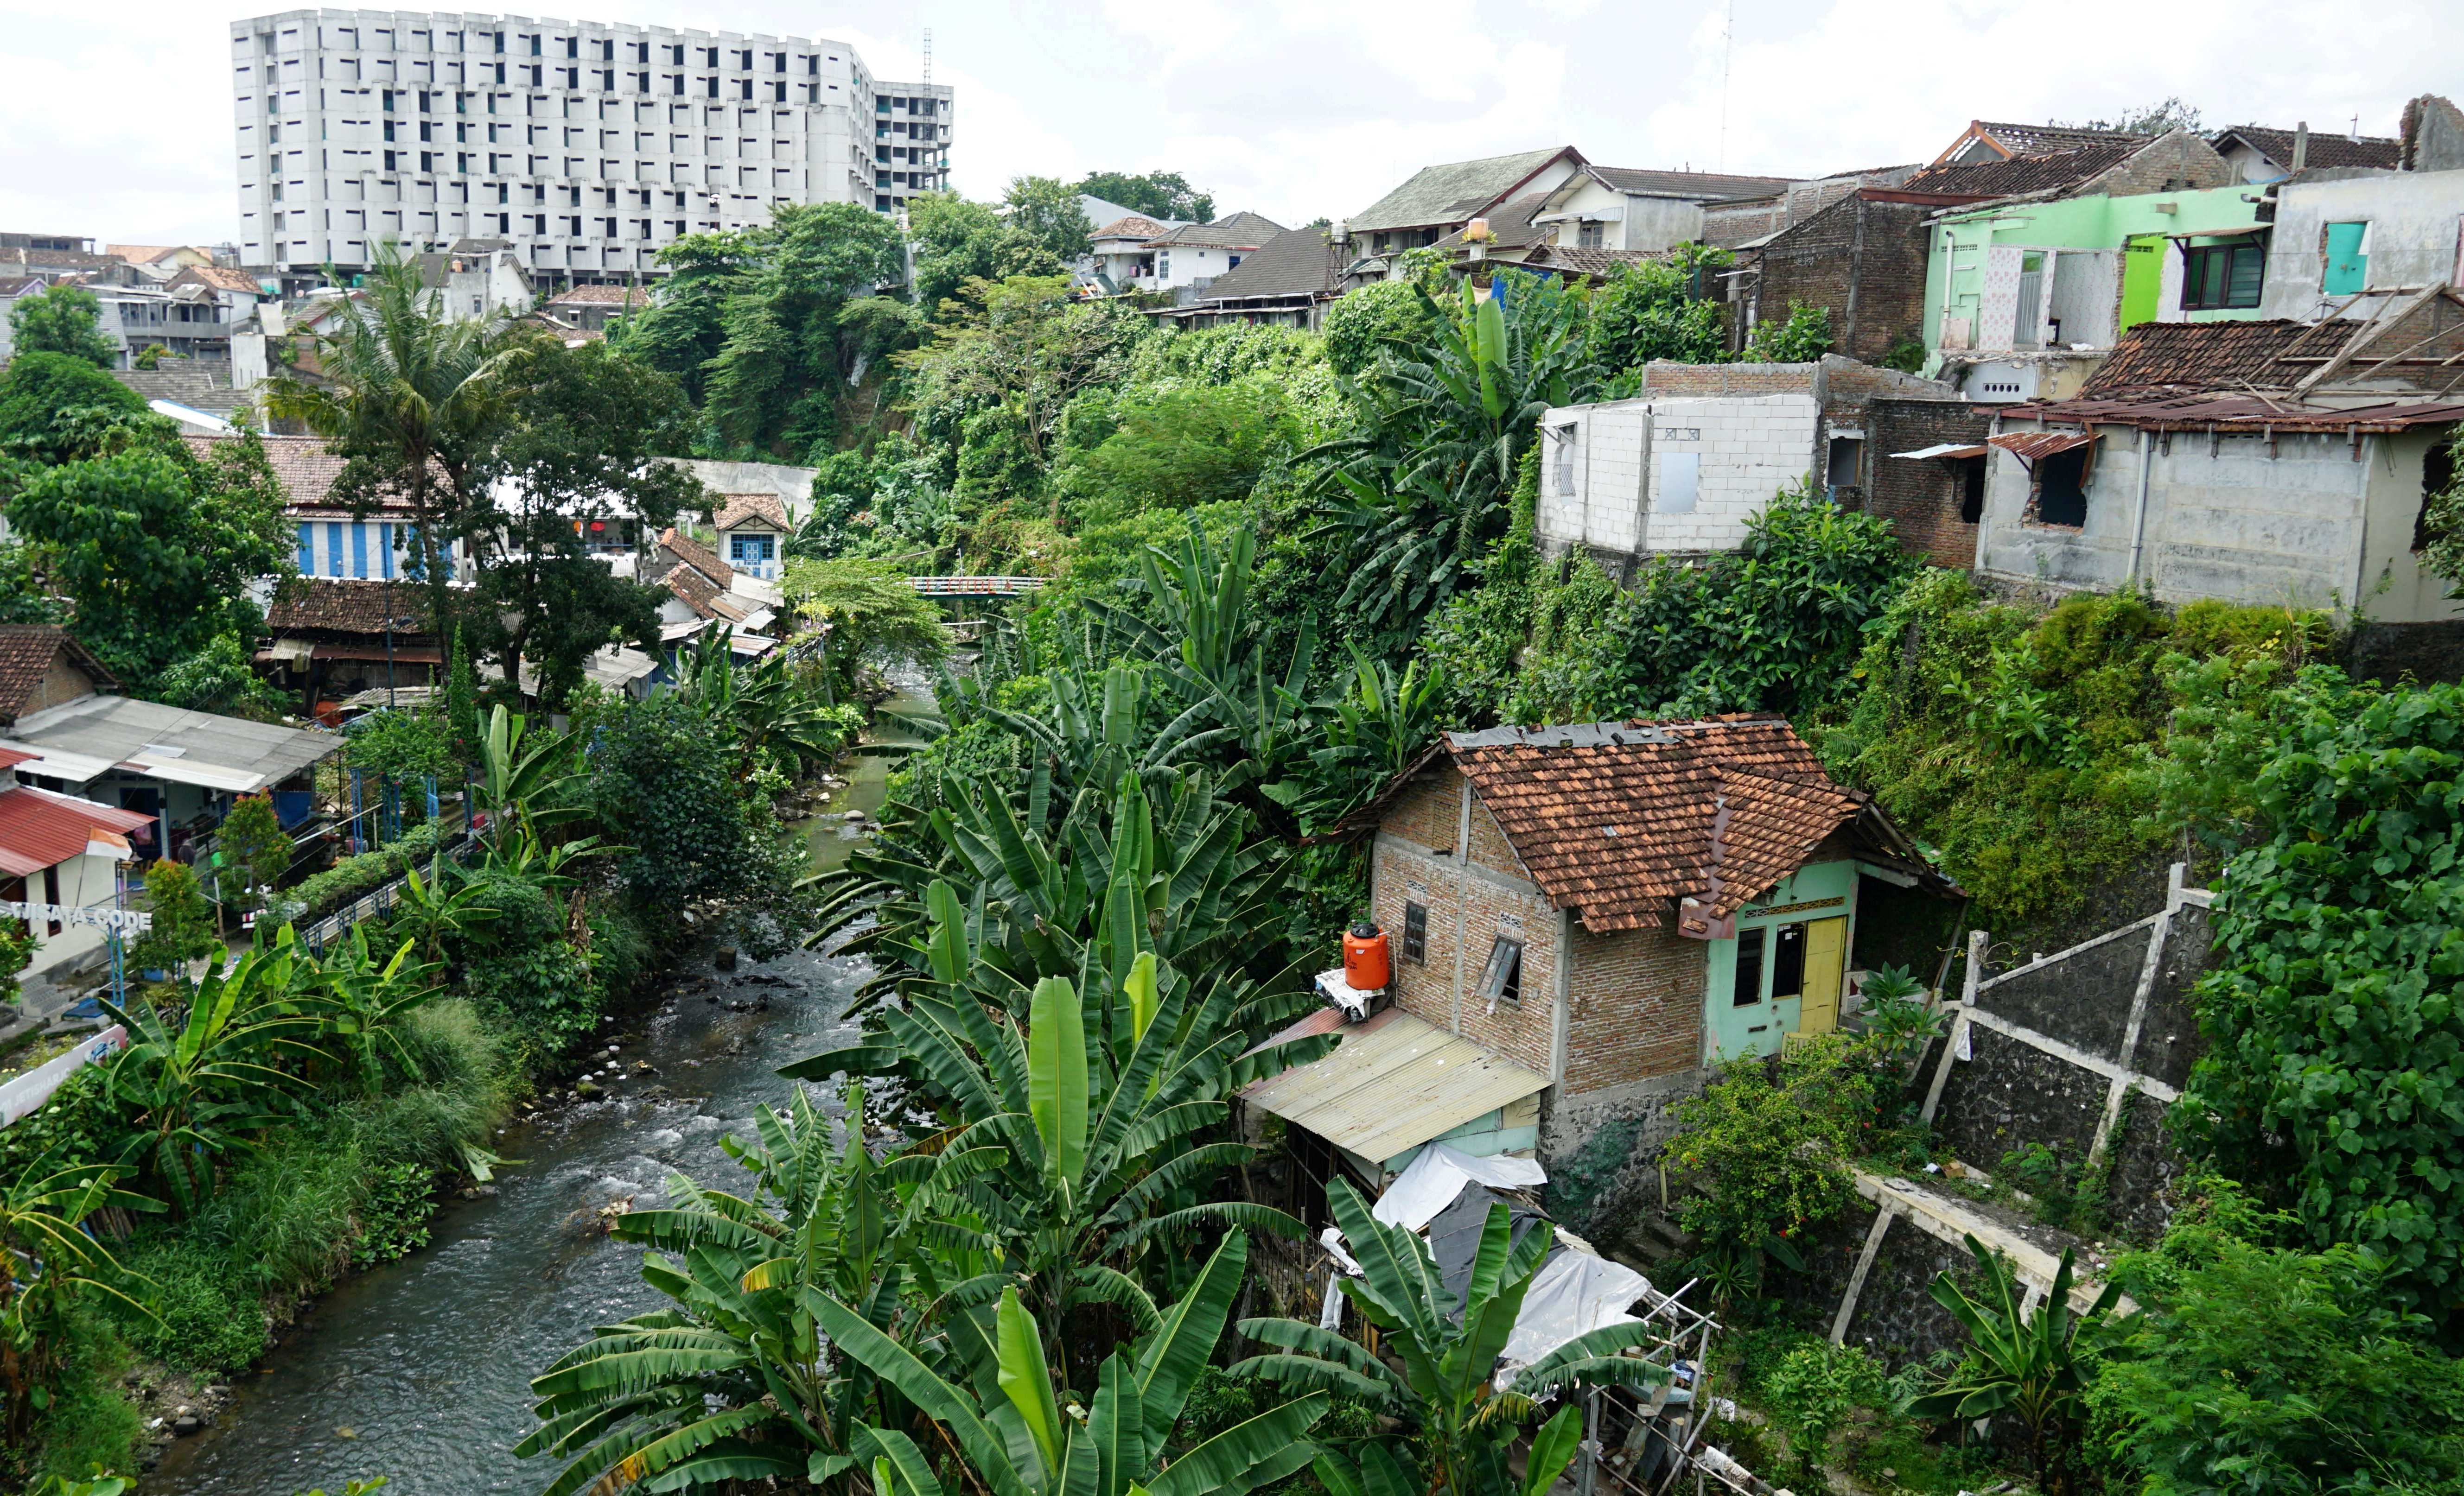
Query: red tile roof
[[2059, 170], [1616, 819], [700, 558], [39, 829], [27, 652], [2199, 356], [627, 297], [741, 506], [308, 469]]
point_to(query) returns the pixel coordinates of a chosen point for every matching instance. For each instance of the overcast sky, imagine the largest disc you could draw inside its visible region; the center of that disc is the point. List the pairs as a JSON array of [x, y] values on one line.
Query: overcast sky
[[117, 122]]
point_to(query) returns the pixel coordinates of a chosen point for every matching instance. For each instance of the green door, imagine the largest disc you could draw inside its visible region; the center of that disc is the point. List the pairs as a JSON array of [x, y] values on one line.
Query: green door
[[2348, 258], [2142, 280]]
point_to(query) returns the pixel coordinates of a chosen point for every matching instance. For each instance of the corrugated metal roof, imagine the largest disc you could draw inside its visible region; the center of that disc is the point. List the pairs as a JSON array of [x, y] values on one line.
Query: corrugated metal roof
[[2030, 445], [82, 739], [1393, 1083]]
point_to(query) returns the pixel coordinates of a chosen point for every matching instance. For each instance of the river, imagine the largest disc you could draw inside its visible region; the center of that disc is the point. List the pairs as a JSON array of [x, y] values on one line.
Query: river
[[419, 1370]]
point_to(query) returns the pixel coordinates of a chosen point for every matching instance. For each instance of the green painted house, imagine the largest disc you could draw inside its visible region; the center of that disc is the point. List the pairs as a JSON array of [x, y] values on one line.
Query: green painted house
[[2015, 289]]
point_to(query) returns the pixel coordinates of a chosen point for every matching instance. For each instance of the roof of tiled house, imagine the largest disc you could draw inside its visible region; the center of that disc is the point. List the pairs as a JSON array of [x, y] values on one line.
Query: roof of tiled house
[[26, 651], [700, 558], [306, 466], [2046, 140], [702, 595], [1509, 224], [2197, 356], [344, 605], [2326, 148], [741, 506], [1687, 183], [1136, 226], [1619, 820], [1456, 191], [2049, 172], [602, 297], [1241, 230], [1293, 262]]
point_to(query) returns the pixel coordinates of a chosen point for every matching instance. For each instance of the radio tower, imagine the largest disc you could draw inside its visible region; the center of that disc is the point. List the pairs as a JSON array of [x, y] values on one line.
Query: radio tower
[[928, 54]]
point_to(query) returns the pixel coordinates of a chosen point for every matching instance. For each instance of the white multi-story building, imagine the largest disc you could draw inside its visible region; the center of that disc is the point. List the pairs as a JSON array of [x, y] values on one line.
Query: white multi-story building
[[583, 146]]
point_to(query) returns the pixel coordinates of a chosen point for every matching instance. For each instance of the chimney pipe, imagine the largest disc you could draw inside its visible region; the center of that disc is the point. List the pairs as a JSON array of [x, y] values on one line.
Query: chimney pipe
[[2300, 149]]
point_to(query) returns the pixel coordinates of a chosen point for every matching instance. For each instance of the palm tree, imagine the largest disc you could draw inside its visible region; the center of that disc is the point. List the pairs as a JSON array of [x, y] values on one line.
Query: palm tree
[[409, 395], [1459, 1422], [1022, 1443]]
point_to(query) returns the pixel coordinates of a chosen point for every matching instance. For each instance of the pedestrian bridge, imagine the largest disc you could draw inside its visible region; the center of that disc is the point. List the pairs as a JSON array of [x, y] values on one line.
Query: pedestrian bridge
[[976, 586]]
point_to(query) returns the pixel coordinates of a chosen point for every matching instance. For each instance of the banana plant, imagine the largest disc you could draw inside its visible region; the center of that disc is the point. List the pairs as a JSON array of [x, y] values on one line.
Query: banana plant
[[1015, 1439], [2030, 1364], [734, 1381], [529, 789], [49, 1260], [363, 1003], [198, 1090], [1093, 1113], [1460, 1424]]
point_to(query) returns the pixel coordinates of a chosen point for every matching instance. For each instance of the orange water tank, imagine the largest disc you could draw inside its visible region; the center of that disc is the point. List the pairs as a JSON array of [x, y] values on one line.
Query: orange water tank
[[1365, 963]]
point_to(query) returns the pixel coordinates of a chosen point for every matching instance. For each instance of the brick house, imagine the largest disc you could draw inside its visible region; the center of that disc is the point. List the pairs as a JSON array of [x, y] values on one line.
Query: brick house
[[1582, 919], [1863, 259]]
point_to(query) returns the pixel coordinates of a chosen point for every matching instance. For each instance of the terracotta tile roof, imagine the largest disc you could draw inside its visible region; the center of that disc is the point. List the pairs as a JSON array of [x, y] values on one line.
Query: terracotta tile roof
[[626, 296], [693, 589], [307, 468], [222, 277], [700, 558], [26, 651], [741, 506], [2047, 140], [2019, 174], [1616, 819], [2156, 356], [1137, 226], [342, 605]]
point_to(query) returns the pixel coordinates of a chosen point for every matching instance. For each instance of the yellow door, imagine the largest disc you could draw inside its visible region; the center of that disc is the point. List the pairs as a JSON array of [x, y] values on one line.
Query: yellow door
[[1826, 950]]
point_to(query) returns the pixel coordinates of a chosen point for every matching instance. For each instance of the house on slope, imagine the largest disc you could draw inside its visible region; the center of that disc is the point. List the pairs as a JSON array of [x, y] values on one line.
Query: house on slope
[[1682, 466], [1584, 919], [705, 593], [180, 770], [1438, 201], [753, 533], [333, 637], [1289, 282]]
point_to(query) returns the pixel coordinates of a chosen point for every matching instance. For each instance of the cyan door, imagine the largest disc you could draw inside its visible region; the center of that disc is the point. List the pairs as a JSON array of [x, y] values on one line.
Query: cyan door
[[1758, 981], [2348, 258]]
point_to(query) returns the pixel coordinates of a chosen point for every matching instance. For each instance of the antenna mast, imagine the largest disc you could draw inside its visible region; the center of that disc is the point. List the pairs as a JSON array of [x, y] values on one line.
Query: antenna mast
[[1728, 45], [928, 54]]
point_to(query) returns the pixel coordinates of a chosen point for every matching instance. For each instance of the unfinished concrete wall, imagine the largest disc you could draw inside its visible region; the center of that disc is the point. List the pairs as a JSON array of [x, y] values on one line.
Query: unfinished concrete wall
[[2292, 520], [2412, 217]]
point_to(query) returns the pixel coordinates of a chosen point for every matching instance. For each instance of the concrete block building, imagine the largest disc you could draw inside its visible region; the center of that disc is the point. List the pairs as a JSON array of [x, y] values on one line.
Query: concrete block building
[[583, 146], [1682, 468]]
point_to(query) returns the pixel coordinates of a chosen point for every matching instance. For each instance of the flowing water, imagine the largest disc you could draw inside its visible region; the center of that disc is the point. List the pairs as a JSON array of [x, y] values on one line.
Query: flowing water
[[420, 1371]]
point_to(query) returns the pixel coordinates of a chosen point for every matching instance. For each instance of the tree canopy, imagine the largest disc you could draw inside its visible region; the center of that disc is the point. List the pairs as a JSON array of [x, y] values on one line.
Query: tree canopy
[[1157, 194]]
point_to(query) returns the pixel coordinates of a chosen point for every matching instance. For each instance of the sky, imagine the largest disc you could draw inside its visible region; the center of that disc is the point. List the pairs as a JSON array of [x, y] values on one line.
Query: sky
[[117, 125]]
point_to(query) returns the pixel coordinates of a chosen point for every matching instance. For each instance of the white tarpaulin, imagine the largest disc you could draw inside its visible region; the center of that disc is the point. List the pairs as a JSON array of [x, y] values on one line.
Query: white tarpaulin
[[1575, 1294], [26, 1093], [1431, 1181]]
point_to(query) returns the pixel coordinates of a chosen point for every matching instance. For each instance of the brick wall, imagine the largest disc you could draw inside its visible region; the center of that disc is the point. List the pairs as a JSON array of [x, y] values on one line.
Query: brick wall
[[1489, 848], [1637, 1007], [1429, 810], [1863, 260], [1468, 912], [1922, 498]]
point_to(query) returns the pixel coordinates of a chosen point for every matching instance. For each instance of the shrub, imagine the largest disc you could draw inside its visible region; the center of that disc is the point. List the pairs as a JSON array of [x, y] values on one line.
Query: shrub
[[356, 877], [1814, 1392]]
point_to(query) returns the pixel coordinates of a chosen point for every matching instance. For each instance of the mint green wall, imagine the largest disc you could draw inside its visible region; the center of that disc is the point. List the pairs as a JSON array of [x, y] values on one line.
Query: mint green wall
[[1732, 1029], [1955, 261]]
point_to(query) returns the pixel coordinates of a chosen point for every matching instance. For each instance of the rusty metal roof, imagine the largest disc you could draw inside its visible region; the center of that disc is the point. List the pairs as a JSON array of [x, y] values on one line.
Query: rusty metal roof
[[2030, 445], [2208, 411], [1393, 1083]]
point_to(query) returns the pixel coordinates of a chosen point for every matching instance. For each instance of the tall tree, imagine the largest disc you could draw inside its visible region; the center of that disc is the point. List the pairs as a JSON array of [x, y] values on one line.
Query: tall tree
[[53, 404], [157, 546], [584, 442], [1049, 211], [1157, 194], [784, 362], [685, 325], [956, 240], [62, 319], [412, 401]]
